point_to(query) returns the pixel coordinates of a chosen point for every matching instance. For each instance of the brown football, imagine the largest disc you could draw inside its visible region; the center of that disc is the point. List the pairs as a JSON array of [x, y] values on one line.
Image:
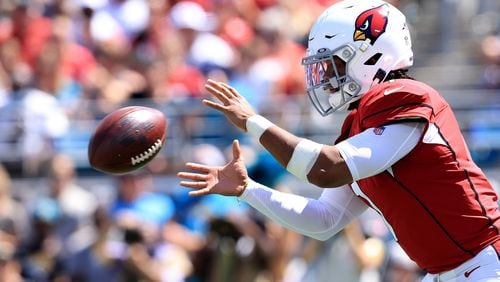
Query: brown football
[[127, 139]]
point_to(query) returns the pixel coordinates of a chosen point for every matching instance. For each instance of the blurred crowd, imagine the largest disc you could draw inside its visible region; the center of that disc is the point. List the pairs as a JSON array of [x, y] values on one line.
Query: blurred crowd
[[59, 57], [65, 64], [67, 231]]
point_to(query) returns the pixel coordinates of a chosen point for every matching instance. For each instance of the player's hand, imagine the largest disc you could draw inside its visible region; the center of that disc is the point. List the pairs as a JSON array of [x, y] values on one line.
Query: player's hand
[[228, 180], [234, 106]]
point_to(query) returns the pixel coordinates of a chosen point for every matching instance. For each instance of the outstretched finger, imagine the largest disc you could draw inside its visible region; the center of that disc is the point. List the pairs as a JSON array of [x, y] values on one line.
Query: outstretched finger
[[192, 176], [215, 84], [214, 105], [236, 149], [198, 167], [218, 93], [201, 192], [231, 90], [195, 185], [222, 87], [227, 90]]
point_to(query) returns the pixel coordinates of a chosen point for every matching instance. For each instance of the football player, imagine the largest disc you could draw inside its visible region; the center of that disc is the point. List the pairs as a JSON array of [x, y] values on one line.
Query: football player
[[400, 151]]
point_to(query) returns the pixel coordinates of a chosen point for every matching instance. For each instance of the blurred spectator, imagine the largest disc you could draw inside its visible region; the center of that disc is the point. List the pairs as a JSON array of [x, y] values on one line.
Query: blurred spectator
[[127, 252], [400, 268], [30, 28], [141, 214], [72, 65], [9, 268], [41, 258], [61, 222], [118, 21], [43, 121], [35, 119], [194, 24], [137, 199], [76, 205], [101, 261], [14, 218], [490, 49], [172, 256]]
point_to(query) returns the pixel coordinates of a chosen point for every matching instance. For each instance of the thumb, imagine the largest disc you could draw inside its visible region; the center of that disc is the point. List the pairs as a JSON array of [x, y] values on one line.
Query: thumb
[[236, 149]]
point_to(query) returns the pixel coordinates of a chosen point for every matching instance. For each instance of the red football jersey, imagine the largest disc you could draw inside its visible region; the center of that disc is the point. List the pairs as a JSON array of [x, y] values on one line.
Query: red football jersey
[[437, 202]]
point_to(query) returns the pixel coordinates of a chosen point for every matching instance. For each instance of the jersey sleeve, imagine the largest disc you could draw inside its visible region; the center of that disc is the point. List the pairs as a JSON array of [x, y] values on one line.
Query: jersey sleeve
[[377, 149], [395, 102]]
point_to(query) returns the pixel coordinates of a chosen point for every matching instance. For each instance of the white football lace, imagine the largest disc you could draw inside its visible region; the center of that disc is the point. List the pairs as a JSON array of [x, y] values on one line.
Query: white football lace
[[147, 154]]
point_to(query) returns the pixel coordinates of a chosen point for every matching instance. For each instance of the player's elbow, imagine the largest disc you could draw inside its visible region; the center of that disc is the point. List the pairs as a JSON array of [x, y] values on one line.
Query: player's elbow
[[320, 182], [330, 169], [326, 179]]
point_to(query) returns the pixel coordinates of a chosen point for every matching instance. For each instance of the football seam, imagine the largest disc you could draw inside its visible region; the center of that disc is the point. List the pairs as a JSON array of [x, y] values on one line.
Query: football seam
[[147, 154]]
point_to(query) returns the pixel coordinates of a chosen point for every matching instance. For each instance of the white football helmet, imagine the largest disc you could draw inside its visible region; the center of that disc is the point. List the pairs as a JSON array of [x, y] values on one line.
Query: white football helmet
[[353, 45]]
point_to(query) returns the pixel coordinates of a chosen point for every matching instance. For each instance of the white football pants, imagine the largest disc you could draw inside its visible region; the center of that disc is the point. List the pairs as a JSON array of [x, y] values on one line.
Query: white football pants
[[484, 267]]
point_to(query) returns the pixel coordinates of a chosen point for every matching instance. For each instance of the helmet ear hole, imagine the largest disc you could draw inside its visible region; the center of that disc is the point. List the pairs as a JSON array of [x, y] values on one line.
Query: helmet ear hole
[[380, 75], [373, 59]]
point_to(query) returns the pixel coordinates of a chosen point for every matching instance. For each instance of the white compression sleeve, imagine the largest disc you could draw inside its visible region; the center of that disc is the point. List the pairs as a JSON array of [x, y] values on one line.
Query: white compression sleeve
[[375, 150], [317, 218], [303, 158]]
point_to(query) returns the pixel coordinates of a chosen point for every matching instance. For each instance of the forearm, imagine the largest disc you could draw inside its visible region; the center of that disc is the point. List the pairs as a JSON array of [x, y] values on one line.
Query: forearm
[[317, 218], [312, 162], [280, 143]]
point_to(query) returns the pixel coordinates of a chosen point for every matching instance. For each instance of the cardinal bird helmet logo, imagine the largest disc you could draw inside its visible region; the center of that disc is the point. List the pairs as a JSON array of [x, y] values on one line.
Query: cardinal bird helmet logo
[[371, 24]]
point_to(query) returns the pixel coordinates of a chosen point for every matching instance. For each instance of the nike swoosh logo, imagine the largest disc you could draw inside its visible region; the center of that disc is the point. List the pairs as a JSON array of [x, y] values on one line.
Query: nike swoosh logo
[[392, 90], [311, 39], [467, 273], [330, 36]]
